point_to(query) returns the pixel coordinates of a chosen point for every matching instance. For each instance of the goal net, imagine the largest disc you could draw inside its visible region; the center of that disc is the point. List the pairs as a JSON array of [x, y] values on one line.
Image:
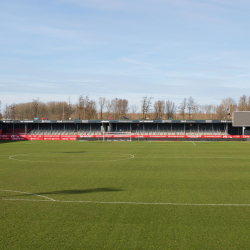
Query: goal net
[[117, 136]]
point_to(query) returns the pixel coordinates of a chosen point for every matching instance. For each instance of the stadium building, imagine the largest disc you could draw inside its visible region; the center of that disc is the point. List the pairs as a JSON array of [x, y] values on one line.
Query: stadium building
[[121, 129]]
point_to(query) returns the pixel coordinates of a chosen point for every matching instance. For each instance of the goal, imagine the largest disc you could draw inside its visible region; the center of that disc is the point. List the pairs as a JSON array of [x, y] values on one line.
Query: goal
[[116, 136]]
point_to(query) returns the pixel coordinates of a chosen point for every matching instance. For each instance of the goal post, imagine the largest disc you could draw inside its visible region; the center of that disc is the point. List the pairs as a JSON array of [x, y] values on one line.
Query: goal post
[[119, 136]]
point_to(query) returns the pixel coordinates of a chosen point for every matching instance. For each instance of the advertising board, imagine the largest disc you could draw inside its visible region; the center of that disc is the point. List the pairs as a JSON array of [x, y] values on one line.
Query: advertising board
[[74, 137]]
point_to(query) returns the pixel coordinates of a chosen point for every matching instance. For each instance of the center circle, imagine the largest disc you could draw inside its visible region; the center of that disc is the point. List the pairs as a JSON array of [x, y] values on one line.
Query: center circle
[[71, 157]]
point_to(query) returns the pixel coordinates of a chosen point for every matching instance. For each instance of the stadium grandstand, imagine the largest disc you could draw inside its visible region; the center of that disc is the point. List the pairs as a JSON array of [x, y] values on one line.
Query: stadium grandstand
[[138, 129]]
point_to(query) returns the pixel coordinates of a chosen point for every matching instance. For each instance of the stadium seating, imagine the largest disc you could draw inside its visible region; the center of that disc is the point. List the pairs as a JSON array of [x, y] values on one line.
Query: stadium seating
[[95, 130], [17, 131]]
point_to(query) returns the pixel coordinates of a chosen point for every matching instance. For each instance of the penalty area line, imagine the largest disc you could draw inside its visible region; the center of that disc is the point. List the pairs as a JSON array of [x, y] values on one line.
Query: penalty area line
[[131, 203], [23, 200], [26, 193]]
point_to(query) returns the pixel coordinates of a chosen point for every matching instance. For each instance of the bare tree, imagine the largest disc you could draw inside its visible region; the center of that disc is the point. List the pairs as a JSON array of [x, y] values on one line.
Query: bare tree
[[20, 110], [43, 110], [221, 111], [230, 105], [52, 108], [213, 111], [68, 109], [134, 108], [86, 110], [108, 107], [63, 110], [13, 111], [207, 110], [25, 110], [119, 107], [7, 111], [170, 109], [159, 109], [35, 104], [102, 102], [81, 107], [242, 104], [122, 107], [114, 108], [198, 111], [91, 109], [146, 103], [227, 106], [182, 108], [190, 106], [60, 110]]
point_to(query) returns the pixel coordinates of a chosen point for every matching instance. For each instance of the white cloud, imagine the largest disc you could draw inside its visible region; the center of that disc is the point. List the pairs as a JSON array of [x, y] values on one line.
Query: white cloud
[[101, 4], [43, 30]]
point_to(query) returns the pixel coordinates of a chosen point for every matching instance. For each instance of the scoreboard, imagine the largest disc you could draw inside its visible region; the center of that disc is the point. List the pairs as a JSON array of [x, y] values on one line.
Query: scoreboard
[[241, 119]]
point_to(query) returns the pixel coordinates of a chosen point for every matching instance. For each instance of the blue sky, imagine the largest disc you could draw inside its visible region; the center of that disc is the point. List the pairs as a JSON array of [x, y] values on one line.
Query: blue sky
[[53, 49]]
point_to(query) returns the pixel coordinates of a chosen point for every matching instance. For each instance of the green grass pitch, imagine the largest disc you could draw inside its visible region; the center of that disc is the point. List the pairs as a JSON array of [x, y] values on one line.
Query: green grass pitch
[[124, 195]]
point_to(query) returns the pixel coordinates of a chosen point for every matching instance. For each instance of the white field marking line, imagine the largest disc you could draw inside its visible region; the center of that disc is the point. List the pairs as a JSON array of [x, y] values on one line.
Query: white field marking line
[[62, 156], [22, 200], [131, 203], [152, 203], [193, 143], [192, 157], [177, 143], [131, 157], [170, 142], [159, 141], [50, 199], [114, 202], [215, 141], [74, 161]]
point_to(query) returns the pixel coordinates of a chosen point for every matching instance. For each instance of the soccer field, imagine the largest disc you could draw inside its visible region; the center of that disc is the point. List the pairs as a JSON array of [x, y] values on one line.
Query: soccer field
[[124, 195]]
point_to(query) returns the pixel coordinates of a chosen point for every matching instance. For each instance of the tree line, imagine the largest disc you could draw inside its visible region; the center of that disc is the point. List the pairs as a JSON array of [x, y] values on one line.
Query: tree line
[[116, 108]]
